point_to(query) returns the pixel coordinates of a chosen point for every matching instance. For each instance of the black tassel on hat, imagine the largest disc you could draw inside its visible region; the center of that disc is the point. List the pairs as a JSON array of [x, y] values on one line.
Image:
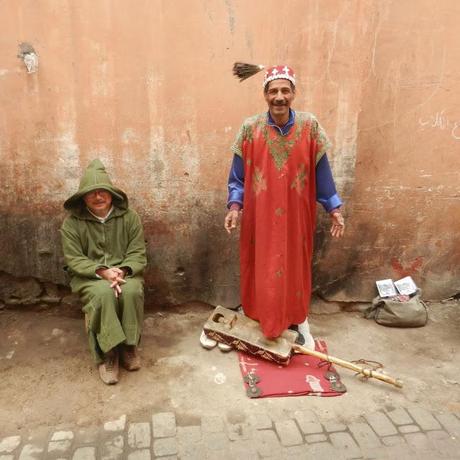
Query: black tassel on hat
[[242, 70]]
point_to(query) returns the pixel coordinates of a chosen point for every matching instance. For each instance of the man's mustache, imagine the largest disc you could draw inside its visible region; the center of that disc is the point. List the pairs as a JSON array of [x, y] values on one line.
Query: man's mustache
[[279, 103]]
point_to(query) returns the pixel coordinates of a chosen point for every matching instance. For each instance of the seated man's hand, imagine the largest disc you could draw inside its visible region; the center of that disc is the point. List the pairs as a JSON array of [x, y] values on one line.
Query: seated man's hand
[[120, 271], [115, 276]]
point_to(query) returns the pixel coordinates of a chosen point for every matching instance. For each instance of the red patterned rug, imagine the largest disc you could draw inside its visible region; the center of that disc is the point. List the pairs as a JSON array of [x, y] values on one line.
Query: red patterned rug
[[304, 376]]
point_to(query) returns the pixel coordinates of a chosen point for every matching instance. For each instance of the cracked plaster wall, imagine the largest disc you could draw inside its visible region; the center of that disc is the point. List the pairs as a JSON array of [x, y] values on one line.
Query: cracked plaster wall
[[147, 88]]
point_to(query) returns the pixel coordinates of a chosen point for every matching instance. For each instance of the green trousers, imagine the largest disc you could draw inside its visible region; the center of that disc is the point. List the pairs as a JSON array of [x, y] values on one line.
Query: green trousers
[[111, 320]]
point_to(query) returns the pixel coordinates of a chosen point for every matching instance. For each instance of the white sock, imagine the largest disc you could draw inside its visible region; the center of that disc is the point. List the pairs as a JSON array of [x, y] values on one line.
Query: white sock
[[206, 342], [304, 329]]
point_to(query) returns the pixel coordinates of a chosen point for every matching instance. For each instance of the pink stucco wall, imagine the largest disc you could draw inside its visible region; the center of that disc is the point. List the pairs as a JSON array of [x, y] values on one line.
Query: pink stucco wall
[[146, 86]]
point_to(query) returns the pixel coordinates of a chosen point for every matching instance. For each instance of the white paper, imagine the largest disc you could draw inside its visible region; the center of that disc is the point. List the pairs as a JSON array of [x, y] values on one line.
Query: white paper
[[386, 288], [406, 286]]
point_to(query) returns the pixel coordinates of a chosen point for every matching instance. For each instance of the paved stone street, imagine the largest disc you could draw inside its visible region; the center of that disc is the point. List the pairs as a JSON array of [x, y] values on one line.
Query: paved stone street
[[397, 434], [190, 403]]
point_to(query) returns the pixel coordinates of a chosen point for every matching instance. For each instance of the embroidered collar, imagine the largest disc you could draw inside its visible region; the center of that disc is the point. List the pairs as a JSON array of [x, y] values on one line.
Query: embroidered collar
[[283, 130]]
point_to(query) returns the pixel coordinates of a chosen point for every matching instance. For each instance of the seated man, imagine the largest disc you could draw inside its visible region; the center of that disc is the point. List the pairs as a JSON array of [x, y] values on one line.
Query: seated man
[[104, 250]]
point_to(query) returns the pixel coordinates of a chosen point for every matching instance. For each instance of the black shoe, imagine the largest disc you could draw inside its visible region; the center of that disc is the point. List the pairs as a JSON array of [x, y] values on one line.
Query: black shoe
[[300, 340], [237, 309]]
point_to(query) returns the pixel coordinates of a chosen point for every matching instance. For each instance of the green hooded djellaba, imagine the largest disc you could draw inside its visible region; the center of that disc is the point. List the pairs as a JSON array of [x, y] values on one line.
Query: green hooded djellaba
[[90, 243]]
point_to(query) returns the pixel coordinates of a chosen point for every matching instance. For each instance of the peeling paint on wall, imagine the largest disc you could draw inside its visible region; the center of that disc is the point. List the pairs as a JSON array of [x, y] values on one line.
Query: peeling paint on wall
[[150, 92]]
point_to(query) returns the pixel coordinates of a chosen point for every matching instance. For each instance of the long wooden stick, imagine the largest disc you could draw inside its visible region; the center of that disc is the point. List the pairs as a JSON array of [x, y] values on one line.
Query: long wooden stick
[[354, 367], [244, 334]]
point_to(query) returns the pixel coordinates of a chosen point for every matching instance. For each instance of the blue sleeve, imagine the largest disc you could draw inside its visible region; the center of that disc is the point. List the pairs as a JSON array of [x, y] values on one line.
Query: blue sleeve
[[326, 192], [236, 182]]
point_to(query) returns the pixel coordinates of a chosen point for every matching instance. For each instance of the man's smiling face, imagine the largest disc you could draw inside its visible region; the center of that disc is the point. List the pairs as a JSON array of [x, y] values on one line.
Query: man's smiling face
[[279, 95], [98, 202]]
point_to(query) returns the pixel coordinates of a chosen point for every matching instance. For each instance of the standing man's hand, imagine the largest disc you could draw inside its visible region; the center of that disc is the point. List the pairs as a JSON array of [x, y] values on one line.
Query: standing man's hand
[[338, 224], [231, 220]]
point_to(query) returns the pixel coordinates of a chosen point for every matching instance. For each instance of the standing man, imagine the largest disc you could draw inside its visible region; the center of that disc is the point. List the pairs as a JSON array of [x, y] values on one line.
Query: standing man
[[279, 171], [104, 248]]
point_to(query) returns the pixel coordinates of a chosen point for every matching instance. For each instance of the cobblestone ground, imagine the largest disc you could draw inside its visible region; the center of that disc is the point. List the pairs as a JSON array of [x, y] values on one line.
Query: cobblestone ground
[[399, 434]]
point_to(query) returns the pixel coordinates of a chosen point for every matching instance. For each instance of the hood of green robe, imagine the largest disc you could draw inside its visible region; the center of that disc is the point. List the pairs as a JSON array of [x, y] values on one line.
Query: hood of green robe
[[95, 177]]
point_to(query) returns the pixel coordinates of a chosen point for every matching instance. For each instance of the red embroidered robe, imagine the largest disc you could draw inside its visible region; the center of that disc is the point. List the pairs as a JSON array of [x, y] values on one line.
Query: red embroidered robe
[[278, 223]]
